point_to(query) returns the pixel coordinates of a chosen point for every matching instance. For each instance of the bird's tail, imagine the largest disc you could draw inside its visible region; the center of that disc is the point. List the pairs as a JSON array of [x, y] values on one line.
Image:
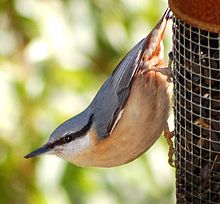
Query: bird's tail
[[156, 36]]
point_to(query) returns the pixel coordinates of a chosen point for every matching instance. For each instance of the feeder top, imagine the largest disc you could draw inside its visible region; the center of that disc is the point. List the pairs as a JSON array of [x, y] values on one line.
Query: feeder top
[[203, 14]]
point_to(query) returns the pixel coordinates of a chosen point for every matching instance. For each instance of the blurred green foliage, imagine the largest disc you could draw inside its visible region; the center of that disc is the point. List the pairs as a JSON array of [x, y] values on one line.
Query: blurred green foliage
[[54, 55]]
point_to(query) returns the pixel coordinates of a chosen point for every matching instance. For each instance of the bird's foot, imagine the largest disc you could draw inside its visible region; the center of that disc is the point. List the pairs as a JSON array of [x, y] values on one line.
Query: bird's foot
[[168, 136], [167, 71]]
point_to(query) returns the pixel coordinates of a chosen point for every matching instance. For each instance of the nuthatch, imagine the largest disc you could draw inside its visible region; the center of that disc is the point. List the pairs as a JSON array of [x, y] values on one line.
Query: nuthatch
[[127, 115]]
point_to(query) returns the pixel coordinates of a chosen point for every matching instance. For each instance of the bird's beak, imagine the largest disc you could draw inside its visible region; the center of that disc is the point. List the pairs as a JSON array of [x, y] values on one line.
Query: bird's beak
[[39, 151]]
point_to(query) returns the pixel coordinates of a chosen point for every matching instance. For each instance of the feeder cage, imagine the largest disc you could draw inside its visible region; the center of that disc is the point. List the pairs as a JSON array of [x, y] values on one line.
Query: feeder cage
[[196, 57]]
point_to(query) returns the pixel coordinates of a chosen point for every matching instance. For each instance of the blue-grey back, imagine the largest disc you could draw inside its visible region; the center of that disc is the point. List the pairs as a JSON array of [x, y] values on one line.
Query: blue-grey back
[[112, 96]]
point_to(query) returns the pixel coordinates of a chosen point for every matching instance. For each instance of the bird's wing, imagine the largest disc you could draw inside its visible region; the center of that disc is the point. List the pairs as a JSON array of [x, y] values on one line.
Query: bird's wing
[[111, 98]]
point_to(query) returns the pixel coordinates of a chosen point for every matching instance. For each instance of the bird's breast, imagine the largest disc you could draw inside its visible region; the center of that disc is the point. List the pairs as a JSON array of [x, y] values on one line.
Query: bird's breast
[[139, 126]]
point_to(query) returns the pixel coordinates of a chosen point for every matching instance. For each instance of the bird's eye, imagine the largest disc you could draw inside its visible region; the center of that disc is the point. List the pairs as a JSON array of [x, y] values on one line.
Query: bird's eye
[[68, 138]]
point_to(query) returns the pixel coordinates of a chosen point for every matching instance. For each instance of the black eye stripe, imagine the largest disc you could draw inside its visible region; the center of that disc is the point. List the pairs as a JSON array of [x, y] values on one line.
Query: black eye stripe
[[72, 136], [66, 139]]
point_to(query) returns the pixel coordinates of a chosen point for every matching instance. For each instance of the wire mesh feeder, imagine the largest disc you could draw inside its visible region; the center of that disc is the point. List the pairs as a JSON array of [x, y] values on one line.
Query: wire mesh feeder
[[197, 114]]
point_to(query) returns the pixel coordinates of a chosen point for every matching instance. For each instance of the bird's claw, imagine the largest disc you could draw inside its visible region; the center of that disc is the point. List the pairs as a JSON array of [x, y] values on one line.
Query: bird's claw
[[165, 71], [168, 136]]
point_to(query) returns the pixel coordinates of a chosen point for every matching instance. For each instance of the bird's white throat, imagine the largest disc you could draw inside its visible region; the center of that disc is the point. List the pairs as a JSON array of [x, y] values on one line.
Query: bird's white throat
[[74, 148]]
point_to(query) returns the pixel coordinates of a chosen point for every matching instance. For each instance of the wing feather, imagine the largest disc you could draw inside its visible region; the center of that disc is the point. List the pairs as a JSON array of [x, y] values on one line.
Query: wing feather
[[112, 96]]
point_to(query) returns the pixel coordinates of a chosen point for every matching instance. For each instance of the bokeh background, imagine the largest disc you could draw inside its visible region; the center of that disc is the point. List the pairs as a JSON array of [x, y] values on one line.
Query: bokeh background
[[54, 55]]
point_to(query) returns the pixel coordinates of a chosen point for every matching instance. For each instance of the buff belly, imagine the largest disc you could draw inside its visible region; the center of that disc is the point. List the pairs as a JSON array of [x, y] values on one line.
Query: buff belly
[[141, 124]]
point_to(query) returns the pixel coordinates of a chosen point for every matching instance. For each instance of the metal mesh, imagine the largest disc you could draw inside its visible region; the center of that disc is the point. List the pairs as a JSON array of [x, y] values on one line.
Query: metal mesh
[[197, 114]]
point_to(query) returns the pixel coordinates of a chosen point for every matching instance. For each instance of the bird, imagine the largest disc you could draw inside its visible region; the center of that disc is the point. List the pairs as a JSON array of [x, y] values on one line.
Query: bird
[[127, 115]]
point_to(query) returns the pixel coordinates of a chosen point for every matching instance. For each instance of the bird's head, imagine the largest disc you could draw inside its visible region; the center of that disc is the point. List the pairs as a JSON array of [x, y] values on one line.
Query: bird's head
[[69, 139]]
